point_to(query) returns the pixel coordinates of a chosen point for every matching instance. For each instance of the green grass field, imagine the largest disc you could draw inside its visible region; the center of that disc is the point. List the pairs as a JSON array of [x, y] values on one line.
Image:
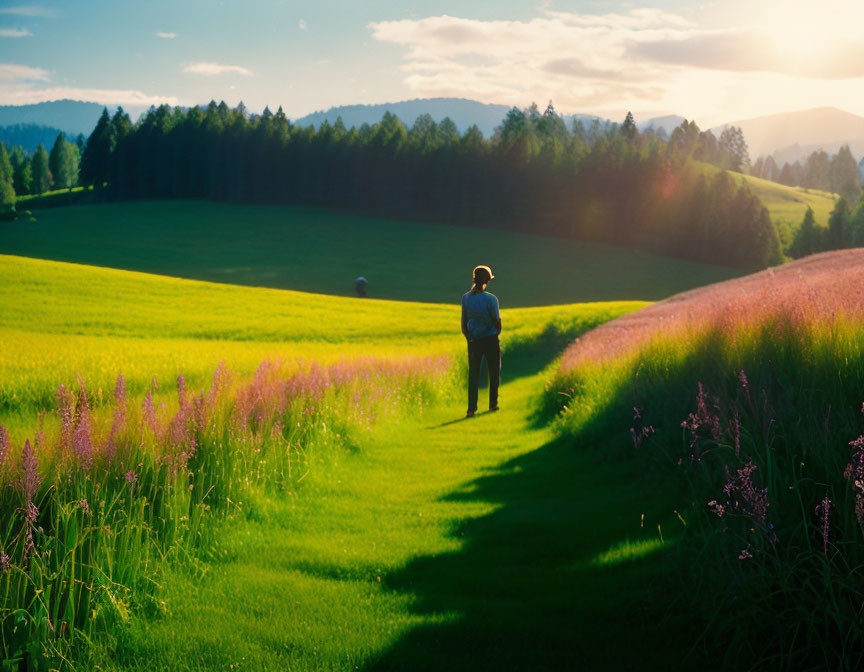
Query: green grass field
[[482, 545], [58, 320], [318, 250], [425, 544]]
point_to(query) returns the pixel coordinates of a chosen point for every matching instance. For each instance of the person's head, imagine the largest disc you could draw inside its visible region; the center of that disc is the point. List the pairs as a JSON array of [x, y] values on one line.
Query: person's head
[[482, 276]]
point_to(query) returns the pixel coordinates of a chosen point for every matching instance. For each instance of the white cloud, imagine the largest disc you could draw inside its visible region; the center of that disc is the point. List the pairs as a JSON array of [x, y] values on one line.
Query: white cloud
[[33, 11], [214, 69], [14, 32], [645, 59], [27, 94], [636, 19], [166, 36], [13, 72], [302, 24], [19, 86]]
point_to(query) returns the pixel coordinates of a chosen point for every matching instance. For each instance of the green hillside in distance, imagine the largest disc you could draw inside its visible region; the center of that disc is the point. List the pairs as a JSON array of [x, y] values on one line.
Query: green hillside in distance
[[323, 251], [787, 205]]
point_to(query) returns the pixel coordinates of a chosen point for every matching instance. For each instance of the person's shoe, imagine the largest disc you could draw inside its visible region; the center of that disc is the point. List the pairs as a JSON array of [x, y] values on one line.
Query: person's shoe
[[494, 408], [469, 414]]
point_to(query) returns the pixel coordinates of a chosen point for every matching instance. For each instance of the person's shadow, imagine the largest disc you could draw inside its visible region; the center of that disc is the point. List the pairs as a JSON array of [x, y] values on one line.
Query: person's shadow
[[529, 589]]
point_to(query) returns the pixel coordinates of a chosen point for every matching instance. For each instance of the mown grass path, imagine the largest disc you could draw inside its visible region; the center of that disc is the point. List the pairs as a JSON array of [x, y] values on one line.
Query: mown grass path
[[442, 544]]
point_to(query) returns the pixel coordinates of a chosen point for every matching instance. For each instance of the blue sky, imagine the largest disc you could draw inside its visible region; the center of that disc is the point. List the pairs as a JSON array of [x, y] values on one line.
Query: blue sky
[[713, 61]]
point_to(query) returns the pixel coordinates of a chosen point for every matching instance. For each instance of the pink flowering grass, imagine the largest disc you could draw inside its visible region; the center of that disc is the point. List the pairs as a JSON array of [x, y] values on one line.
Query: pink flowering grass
[[99, 499], [752, 390]]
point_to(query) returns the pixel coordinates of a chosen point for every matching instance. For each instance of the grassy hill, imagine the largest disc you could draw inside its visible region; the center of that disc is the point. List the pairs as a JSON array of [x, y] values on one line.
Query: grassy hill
[[58, 320], [787, 205], [346, 548], [748, 392], [318, 250]]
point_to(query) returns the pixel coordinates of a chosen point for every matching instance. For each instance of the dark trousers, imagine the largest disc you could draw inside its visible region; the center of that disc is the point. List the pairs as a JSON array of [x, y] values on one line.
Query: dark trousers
[[490, 349]]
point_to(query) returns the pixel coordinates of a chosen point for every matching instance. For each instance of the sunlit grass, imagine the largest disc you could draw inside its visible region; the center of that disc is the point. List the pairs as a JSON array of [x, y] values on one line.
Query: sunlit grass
[[263, 433], [625, 551], [59, 320]]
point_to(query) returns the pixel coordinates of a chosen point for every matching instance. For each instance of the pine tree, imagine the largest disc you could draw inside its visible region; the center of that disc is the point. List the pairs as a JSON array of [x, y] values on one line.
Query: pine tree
[[628, 128], [838, 225], [845, 177], [22, 177], [63, 162], [856, 226], [733, 149], [96, 159], [41, 171], [770, 171], [808, 239], [7, 192], [817, 171]]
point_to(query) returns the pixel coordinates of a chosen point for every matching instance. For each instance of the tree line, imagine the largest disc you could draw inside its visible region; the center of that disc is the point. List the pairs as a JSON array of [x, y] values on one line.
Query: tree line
[[605, 182], [838, 173], [845, 229], [23, 174]]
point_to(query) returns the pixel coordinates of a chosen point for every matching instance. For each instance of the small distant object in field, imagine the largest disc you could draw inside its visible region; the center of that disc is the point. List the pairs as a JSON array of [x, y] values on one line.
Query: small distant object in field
[[360, 286]]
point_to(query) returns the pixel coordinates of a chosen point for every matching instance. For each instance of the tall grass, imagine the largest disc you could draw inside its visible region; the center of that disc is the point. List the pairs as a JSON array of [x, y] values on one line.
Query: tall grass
[[749, 395], [101, 497]]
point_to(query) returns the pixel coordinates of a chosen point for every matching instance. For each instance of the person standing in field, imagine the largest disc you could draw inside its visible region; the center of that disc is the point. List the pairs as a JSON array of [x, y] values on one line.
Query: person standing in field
[[481, 325]]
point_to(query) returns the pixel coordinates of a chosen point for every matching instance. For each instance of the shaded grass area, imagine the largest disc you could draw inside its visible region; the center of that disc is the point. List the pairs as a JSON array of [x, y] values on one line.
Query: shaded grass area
[[320, 250], [754, 423], [441, 545]]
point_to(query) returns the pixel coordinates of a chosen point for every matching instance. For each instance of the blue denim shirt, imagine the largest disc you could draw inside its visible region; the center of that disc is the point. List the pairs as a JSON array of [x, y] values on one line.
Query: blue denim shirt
[[479, 315]]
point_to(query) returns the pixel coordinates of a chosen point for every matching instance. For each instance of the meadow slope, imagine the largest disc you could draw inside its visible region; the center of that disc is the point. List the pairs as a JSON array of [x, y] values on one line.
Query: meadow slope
[[323, 251], [285, 529], [787, 205], [59, 320], [444, 544], [747, 395]]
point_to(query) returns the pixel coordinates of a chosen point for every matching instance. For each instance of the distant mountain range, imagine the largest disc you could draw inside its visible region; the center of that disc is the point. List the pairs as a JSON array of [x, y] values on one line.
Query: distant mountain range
[[668, 123], [791, 136], [30, 136], [70, 116], [462, 111]]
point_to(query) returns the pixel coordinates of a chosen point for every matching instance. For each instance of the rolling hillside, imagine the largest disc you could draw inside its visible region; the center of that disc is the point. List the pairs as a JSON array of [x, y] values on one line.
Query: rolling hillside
[[319, 250], [825, 127], [787, 205]]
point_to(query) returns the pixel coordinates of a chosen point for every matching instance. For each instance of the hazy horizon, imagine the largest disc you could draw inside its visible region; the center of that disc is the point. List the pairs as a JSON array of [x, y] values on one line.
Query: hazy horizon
[[713, 62]]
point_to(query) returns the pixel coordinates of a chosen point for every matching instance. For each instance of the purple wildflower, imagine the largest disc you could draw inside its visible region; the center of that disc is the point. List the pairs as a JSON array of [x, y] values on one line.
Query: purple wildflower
[[639, 431], [742, 495], [4, 562], [119, 421], [735, 433], [120, 389], [85, 507], [745, 554], [148, 409], [854, 473], [82, 443], [4, 445], [702, 424], [717, 508], [29, 479], [66, 410], [130, 476], [823, 510], [745, 384]]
